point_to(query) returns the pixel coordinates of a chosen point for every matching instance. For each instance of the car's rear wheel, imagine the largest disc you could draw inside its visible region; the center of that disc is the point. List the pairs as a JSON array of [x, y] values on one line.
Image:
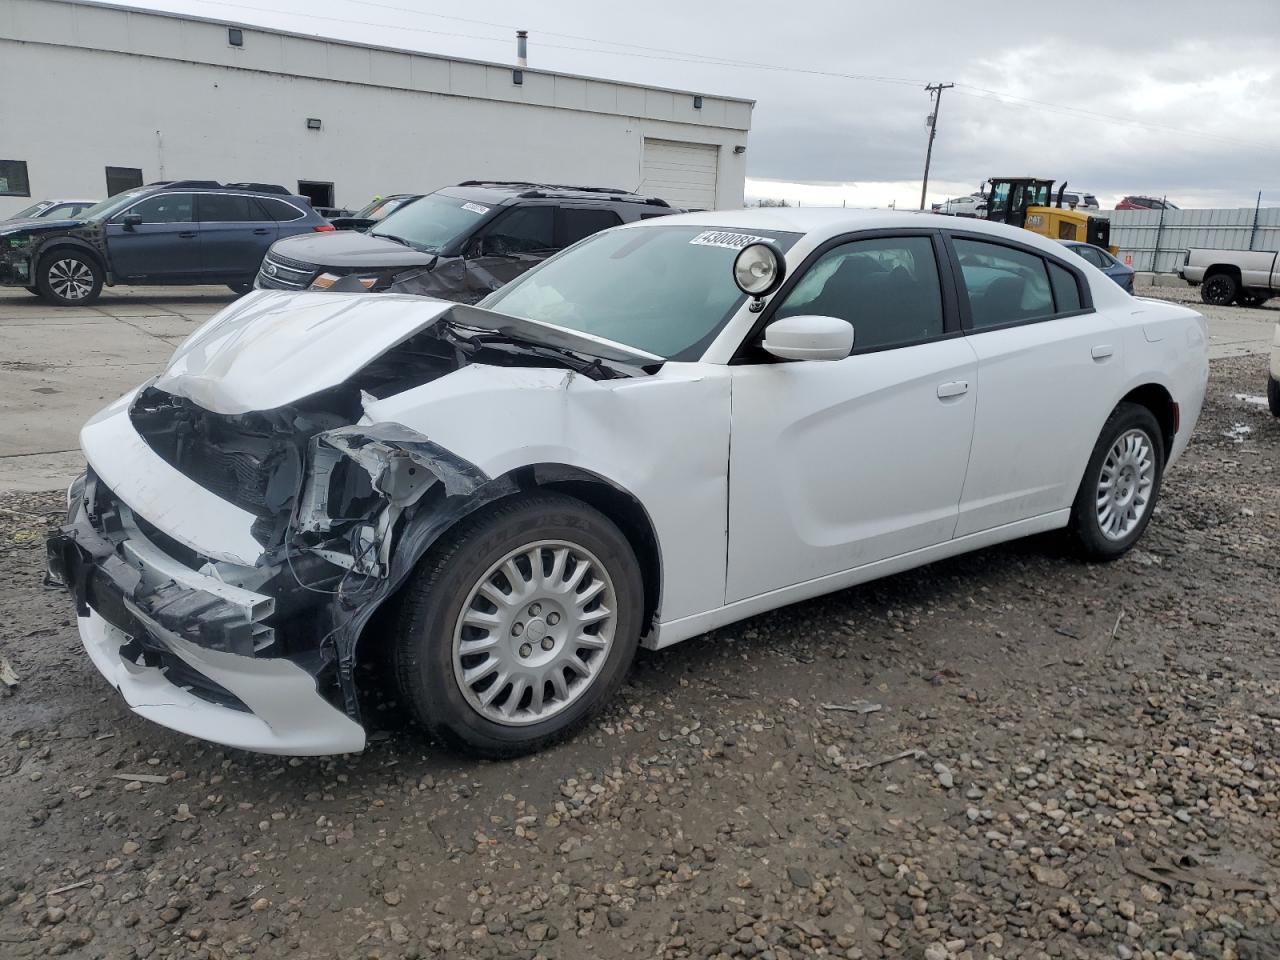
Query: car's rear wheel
[[1252, 298], [1121, 483], [1219, 289], [520, 626], [69, 278], [1273, 395]]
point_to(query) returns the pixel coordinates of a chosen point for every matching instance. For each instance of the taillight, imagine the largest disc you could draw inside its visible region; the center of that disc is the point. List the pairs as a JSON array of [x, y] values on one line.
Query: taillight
[[324, 228]]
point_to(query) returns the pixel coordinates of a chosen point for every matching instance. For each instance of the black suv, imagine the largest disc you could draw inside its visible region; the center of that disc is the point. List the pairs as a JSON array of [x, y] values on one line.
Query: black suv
[[180, 232], [459, 243]]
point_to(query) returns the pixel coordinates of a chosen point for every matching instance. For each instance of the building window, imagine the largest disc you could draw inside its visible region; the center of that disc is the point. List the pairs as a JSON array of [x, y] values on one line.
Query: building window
[[318, 192], [235, 36], [120, 179], [13, 179]]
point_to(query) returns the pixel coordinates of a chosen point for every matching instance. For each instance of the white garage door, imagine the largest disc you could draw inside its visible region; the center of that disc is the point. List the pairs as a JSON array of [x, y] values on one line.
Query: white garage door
[[683, 174]]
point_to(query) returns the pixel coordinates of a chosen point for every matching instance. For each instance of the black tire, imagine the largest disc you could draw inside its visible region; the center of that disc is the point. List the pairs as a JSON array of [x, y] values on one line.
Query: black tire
[[1251, 298], [1220, 289], [1085, 523], [240, 289], [69, 278], [33, 290], [433, 601], [1273, 395]]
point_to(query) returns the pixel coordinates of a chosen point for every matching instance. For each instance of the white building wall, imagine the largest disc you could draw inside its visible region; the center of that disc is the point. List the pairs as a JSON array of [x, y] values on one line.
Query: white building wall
[[169, 95]]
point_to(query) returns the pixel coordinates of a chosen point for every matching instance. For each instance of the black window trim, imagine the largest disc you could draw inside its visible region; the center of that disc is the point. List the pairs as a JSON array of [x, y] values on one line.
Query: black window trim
[[26, 178], [966, 316], [561, 233], [750, 350]]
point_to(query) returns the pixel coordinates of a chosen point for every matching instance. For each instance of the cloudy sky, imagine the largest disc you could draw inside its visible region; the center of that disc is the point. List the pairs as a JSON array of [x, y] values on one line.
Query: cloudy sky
[[1175, 97]]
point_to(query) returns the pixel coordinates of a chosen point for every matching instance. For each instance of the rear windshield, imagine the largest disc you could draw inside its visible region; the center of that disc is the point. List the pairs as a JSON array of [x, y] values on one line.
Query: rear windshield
[[432, 223], [667, 290]]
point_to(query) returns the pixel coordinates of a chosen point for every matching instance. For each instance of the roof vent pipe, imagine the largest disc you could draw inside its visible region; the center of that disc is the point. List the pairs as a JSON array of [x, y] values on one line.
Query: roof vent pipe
[[522, 48]]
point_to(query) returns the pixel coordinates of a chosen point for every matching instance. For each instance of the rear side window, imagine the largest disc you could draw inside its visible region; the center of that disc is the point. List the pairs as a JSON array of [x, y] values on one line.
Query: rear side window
[[164, 208], [579, 222], [1066, 291], [281, 211], [885, 288], [1005, 285], [227, 208]]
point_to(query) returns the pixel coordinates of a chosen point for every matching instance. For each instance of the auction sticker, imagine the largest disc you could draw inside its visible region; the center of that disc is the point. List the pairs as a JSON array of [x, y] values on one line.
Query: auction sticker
[[730, 241], [475, 207]]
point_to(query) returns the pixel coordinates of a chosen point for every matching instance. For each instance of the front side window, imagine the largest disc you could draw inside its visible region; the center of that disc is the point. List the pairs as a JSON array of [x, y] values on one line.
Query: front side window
[[13, 179], [886, 288], [667, 290], [164, 208], [523, 230], [1004, 284]]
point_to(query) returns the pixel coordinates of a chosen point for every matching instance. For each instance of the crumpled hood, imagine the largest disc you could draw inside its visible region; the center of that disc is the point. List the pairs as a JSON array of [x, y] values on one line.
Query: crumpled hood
[[35, 225], [273, 347]]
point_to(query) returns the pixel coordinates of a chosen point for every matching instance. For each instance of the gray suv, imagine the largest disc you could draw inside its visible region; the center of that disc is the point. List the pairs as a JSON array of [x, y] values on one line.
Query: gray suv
[[459, 243]]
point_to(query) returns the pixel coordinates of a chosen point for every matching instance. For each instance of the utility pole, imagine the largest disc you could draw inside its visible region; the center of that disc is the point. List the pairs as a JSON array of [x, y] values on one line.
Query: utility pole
[[935, 97]]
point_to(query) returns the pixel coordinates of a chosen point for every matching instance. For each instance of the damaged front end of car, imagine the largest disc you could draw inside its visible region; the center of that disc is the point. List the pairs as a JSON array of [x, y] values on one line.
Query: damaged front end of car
[[225, 564]]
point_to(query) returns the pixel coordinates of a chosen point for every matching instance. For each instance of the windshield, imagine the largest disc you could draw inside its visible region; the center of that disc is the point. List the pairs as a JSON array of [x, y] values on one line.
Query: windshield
[[31, 211], [105, 207], [432, 223], [667, 290], [381, 208]]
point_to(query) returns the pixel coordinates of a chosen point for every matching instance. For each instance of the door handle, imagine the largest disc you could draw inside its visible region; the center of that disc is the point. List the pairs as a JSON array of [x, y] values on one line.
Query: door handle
[[261, 232], [187, 234], [955, 388], [1102, 351]]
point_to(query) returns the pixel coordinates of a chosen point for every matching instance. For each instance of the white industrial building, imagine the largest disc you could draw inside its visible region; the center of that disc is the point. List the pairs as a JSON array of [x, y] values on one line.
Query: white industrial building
[[100, 97]]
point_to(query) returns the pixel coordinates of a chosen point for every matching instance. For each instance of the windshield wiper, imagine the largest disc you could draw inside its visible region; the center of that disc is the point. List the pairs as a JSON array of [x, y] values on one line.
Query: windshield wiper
[[469, 339], [392, 237]]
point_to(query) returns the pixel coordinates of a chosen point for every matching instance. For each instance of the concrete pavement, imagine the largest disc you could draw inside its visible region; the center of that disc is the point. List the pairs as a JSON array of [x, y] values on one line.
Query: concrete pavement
[[59, 365]]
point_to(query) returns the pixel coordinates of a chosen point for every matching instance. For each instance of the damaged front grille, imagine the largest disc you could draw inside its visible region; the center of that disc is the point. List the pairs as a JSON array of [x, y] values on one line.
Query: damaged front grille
[[252, 460]]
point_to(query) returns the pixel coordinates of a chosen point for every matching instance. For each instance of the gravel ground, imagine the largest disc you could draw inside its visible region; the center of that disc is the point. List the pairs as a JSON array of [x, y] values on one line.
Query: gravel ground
[[1010, 754]]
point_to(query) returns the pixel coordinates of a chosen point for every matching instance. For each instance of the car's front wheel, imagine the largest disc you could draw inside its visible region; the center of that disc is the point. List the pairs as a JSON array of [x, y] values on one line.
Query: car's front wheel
[[520, 626], [69, 278], [1219, 290], [1118, 492]]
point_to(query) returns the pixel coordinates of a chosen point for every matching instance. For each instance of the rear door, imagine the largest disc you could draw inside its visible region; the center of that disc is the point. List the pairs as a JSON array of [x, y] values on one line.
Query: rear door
[[165, 246], [235, 232], [576, 222], [1049, 368]]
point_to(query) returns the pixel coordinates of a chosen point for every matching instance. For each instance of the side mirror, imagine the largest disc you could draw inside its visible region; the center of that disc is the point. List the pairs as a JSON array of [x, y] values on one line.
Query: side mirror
[[132, 220], [809, 338]]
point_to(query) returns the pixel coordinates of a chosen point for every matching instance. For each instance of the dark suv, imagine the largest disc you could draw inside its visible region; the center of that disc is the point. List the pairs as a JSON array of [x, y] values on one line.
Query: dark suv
[[181, 232], [459, 243]]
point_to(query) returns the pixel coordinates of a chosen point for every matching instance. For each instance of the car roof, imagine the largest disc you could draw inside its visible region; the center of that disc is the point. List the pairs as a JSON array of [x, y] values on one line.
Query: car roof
[[819, 224]]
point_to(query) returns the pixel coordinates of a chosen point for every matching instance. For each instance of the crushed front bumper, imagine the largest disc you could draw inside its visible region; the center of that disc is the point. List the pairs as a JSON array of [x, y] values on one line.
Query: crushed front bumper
[[180, 644]]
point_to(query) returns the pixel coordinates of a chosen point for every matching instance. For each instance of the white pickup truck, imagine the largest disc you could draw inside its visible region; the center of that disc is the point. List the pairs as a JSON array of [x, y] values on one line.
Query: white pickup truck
[[1247, 277]]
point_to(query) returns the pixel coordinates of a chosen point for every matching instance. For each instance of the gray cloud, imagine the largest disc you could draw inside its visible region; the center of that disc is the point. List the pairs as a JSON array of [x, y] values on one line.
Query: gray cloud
[[1166, 65]]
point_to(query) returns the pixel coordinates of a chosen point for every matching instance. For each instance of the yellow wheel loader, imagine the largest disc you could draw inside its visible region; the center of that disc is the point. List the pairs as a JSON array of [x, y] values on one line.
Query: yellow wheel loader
[[1030, 203]]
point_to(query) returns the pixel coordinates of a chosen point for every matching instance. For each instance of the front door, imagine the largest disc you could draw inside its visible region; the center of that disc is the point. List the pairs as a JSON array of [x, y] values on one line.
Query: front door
[[1049, 368], [836, 464], [235, 232], [165, 246], [516, 241]]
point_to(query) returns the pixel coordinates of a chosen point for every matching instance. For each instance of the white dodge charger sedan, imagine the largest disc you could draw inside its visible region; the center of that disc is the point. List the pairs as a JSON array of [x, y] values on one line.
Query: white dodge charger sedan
[[668, 427]]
